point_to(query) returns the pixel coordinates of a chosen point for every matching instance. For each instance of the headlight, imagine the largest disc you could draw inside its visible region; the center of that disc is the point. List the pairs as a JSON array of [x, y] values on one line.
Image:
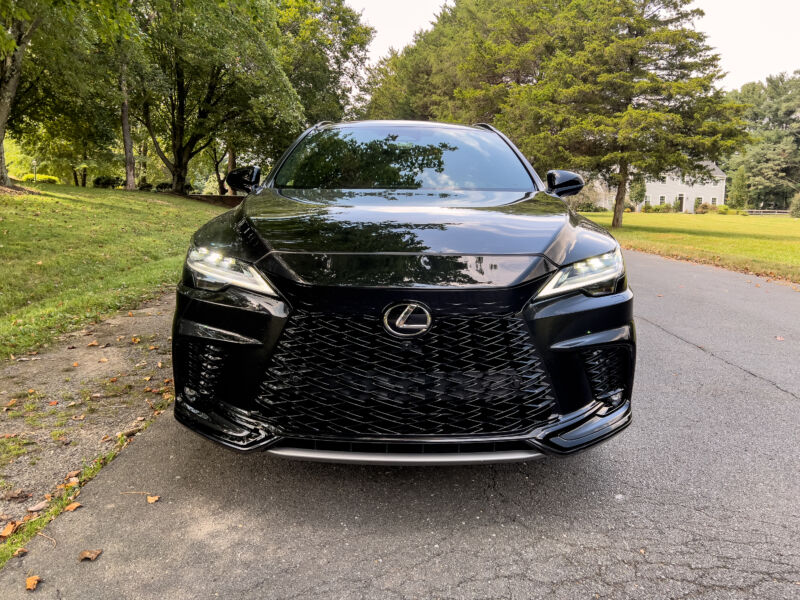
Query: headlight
[[213, 271], [596, 276]]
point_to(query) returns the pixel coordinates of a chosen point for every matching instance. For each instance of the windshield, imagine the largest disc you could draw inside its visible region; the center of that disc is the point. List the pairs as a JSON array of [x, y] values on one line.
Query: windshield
[[403, 157]]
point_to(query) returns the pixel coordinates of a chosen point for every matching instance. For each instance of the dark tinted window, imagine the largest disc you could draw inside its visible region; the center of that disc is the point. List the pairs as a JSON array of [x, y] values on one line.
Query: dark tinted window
[[403, 157]]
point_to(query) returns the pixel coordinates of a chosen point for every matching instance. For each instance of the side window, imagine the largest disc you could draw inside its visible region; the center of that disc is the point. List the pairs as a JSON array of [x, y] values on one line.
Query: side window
[[662, 199], [713, 202]]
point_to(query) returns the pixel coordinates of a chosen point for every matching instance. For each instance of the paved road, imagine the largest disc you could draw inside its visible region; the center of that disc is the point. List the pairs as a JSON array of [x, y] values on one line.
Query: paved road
[[698, 499]]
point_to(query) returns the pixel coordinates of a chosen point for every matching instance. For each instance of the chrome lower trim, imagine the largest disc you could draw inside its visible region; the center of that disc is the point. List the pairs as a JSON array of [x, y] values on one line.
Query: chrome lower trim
[[432, 459]]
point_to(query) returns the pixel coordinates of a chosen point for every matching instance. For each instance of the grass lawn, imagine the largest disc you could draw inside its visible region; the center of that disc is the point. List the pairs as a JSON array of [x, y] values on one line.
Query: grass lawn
[[763, 245], [69, 256]]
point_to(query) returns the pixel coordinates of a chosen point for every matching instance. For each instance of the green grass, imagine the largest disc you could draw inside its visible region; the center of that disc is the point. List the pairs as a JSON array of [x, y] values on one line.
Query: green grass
[[767, 246], [69, 256]]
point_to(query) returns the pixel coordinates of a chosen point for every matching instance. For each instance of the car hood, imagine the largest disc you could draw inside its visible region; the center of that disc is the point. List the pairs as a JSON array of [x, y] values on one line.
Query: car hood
[[413, 239]]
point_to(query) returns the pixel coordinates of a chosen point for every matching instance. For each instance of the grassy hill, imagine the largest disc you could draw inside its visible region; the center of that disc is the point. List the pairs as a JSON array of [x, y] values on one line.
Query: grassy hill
[[69, 256]]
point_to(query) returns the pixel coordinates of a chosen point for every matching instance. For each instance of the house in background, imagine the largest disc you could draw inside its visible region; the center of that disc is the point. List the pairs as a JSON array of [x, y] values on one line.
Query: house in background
[[674, 188]]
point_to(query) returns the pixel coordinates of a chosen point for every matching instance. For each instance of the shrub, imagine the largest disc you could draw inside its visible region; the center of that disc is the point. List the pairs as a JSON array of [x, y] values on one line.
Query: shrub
[[662, 208], [187, 189], [589, 207], [164, 186], [40, 178], [723, 210], [702, 209], [145, 187], [107, 181], [647, 208], [794, 209], [627, 209]]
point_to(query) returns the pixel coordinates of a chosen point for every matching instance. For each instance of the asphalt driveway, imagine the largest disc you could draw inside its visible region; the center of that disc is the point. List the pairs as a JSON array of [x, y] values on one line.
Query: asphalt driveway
[[699, 498]]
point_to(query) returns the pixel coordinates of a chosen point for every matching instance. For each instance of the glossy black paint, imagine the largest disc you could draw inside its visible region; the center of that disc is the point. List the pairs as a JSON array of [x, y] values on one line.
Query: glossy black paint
[[564, 183], [351, 254], [244, 179]]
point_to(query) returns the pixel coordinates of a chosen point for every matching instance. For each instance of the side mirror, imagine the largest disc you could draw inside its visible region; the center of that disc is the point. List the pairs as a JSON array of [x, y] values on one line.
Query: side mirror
[[564, 183], [244, 179]]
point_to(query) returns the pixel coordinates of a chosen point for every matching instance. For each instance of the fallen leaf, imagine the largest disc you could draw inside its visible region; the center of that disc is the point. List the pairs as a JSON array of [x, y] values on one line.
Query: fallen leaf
[[92, 343], [135, 340], [112, 380], [71, 507], [31, 391], [153, 499], [75, 364], [10, 528], [52, 402], [89, 554], [130, 314], [78, 417], [97, 395], [152, 347], [779, 338], [72, 474], [70, 484], [148, 378], [160, 364], [20, 552], [38, 507], [73, 403], [31, 582], [11, 402], [38, 262], [106, 438], [103, 360]]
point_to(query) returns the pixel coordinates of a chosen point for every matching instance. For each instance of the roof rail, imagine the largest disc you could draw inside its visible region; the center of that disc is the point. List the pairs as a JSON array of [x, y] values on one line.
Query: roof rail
[[486, 126], [321, 123]]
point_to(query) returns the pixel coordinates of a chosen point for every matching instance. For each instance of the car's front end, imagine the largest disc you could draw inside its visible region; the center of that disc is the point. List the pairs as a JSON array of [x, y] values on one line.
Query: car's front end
[[404, 327]]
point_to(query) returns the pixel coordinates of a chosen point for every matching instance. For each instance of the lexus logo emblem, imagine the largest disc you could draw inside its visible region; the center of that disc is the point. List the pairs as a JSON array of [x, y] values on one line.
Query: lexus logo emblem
[[407, 320]]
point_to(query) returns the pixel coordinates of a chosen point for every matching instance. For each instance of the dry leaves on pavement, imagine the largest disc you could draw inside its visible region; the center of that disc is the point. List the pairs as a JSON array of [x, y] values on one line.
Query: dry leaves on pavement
[[89, 554], [71, 507], [31, 582], [153, 499]]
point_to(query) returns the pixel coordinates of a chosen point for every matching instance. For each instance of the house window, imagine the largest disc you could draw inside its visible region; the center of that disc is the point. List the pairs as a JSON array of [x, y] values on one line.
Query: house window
[[698, 200], [647, 200], [713, 202], [662, 199]]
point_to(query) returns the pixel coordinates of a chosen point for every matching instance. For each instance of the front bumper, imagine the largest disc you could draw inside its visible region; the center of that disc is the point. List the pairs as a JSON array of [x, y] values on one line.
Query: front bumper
[[586, 346]]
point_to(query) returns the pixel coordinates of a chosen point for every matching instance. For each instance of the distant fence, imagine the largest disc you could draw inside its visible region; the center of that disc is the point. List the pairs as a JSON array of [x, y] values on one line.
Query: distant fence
[[767, 212]]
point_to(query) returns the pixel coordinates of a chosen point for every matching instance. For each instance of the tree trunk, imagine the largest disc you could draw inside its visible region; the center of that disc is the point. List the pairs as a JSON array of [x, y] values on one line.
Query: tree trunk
[[619, 201], [231, 167], [84, 170], [10, 71], [179, 172], [127, 141], [75, 177], [143, 161]]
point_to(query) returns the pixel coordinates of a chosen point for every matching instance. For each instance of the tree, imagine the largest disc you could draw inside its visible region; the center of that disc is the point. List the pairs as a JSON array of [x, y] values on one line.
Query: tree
[[638, 190], [631, 89], [739, 195], [210, 65], [33, 24], [772, 160]]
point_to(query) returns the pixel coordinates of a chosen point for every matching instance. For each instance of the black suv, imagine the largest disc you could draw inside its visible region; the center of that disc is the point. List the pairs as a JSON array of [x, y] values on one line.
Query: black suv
[[404, 293]]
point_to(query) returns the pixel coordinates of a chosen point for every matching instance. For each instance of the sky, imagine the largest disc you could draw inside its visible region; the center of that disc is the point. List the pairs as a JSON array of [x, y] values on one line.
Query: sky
[[753, 38]]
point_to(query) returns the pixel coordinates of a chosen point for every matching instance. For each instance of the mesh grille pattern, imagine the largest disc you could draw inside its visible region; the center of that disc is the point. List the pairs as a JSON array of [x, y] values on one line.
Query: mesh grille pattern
[[606, 369], [345, 376], [204, 366]]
